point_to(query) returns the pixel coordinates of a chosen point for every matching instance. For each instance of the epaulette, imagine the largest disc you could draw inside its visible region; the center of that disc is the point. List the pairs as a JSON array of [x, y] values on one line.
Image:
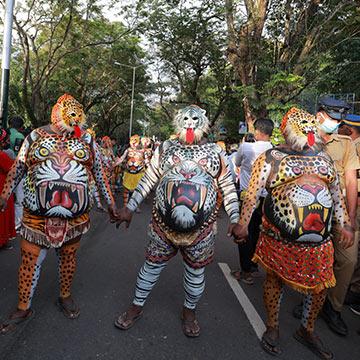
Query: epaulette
[[345, 137]]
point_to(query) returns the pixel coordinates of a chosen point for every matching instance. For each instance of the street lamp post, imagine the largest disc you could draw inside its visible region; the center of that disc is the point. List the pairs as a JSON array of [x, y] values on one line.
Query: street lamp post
[[5, 76], [132, 92]]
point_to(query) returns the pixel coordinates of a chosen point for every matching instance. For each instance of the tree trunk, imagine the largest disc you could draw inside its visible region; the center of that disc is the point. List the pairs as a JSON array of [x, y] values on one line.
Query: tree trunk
[[243, 49]]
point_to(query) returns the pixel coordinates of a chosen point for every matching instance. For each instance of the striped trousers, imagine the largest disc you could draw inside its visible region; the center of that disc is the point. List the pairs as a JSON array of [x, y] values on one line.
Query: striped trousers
[[193, 282]]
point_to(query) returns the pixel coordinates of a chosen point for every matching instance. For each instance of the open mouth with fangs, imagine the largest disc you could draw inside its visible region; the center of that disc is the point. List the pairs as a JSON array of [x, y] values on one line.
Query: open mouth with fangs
[[186, 193], [62, 199]]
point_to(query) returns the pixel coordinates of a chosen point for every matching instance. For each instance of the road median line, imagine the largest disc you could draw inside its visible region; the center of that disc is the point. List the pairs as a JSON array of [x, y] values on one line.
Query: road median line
[[250, 311]]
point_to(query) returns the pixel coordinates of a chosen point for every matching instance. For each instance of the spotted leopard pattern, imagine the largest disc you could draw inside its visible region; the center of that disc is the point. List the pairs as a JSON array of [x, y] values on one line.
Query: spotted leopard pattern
[[282, 173], [298, 126], [67, 113]]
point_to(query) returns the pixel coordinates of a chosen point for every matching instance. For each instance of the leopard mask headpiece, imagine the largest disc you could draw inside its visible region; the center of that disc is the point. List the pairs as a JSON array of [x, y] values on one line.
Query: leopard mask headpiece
[[134, 141], [68, 115], [300, 130], [191, 123]]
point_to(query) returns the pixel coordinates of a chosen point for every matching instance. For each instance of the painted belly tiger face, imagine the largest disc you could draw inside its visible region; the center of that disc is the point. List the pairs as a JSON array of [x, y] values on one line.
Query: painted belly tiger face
[[135, 161], [299, 202], [57, 181], [186, 196]]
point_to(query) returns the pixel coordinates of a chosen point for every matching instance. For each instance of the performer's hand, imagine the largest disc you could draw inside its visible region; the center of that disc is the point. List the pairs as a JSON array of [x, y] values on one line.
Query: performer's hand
[[124, 215], [113, 212], [3, 204], [347, 237], [239, 232]]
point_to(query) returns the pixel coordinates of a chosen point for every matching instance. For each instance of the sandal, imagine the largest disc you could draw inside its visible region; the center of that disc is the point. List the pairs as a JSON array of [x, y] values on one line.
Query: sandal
[[190, 326], [69, 309], [245, 277], [123, 322], [236, 274], [313, 343], [270, 342], [10, 325]]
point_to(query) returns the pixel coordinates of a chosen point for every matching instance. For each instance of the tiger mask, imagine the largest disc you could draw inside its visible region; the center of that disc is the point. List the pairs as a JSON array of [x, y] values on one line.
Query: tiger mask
[[300, 130], [68, 115], [191, 123], [134, 141]]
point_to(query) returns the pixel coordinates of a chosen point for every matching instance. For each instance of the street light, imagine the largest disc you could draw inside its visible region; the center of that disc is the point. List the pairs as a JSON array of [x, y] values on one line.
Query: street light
[[132, 92], [5, 74]]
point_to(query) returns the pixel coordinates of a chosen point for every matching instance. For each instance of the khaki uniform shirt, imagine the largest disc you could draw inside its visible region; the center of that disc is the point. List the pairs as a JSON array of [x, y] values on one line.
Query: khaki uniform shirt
[[356, 142], [343, 152]]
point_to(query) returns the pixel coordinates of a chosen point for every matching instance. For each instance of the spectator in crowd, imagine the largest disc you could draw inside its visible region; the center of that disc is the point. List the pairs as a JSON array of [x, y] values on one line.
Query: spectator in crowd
[[16, 135], [232, 151], [245, 158], [115, 146], [342, 151], [351, 127], [16, 140], [7, 217]]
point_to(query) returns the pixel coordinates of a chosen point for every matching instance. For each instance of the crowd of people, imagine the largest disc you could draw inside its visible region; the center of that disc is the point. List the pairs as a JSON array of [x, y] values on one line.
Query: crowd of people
[[293, 208]]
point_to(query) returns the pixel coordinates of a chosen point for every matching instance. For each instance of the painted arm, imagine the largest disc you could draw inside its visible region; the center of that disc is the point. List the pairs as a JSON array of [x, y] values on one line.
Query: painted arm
[[260, 173], [100, 177], [147, 182], [121, 159], [17, 171], [340, 213], [341, 216], [227, 187]]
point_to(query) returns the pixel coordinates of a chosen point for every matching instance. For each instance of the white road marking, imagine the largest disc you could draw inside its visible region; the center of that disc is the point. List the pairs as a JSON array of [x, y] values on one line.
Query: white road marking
[[251, 313]]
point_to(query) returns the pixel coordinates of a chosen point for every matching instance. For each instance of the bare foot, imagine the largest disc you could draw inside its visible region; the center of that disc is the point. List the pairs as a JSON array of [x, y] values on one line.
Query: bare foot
[[127, 319], [190, 325]]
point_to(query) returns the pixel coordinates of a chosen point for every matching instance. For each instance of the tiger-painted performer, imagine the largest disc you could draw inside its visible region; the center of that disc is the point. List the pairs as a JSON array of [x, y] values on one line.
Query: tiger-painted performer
[[189, 173], [146, 146], [295, 246], [135, 162], [107, 155], [60, 162]]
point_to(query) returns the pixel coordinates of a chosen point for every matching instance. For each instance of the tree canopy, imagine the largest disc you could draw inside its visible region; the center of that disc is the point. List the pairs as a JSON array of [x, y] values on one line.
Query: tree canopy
[[238, 59]]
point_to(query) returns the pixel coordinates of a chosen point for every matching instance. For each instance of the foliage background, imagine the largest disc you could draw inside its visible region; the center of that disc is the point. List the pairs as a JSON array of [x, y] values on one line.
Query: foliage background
[[237, 59]]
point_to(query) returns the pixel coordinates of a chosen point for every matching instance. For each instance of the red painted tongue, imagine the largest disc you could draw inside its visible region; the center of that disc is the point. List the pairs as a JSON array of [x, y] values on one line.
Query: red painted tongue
[[77, 131], [190, 135], [313, 222], [311, 138], [61, 198]]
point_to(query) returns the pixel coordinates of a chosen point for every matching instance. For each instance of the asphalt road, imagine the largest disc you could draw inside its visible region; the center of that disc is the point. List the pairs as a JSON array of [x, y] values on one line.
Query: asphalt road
[[108, 261]]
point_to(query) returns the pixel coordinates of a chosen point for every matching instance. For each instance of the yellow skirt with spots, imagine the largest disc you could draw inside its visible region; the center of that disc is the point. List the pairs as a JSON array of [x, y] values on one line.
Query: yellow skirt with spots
[[130, 181]]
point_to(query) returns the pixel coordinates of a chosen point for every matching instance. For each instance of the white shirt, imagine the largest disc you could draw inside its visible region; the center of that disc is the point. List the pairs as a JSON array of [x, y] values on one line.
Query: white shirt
[[245, 158]]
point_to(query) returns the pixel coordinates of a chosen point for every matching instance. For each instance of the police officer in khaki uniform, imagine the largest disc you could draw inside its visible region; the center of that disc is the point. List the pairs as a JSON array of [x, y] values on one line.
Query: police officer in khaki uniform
[[343, 152], [351, 127]]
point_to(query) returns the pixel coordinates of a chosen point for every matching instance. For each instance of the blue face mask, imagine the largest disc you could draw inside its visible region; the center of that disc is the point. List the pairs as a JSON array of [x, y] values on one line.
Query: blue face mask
[[329, 126]]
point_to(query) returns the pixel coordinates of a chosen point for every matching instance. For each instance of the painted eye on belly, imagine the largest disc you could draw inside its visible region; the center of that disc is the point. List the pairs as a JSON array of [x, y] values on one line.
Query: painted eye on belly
[[323, 170], [203, 161], [44, 151], [296, 170], [80, 153]]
